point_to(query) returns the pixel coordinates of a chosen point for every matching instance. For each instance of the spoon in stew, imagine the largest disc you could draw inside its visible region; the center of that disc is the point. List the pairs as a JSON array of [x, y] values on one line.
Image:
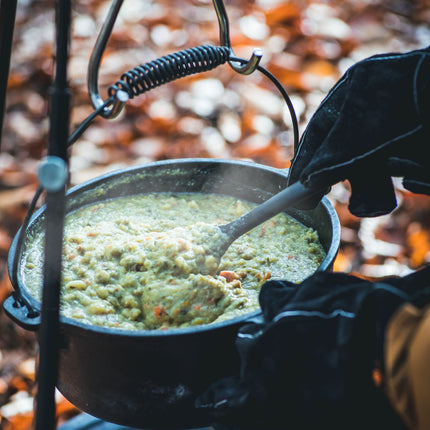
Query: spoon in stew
[[226, 234]]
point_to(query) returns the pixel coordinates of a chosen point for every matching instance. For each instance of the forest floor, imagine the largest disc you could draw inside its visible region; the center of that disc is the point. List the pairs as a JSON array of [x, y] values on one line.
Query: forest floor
[[307, 45]]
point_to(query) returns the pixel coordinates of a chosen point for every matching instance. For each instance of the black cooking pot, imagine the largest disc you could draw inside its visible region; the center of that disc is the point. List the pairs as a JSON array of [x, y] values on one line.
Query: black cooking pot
[[150, 379]]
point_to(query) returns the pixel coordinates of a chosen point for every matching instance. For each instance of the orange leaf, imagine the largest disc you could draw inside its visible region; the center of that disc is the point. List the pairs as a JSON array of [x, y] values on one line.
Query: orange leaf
[[342, 263], [64, 406], [19, 422], [286, 11], [418, 241]]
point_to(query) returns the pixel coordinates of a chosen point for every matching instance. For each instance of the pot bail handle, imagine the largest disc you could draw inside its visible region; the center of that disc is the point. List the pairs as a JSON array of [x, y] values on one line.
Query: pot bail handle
[[21, 313], [165, 69], [169, 68], [183, 63]]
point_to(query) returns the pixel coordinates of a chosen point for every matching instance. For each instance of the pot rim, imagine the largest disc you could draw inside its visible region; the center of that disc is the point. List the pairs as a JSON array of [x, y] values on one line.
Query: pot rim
[[246, 318]]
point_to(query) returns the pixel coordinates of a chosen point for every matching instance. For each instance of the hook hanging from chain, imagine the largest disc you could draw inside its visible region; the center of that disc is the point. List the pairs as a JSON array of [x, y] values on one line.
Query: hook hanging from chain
[[120, 97]]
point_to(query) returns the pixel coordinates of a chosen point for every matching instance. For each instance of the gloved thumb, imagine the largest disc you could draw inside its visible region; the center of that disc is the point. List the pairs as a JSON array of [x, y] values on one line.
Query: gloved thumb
[[372, 194]]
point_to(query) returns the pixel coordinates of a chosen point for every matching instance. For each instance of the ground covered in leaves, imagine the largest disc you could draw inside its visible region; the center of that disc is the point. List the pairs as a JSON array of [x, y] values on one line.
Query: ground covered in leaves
[[307, 45]]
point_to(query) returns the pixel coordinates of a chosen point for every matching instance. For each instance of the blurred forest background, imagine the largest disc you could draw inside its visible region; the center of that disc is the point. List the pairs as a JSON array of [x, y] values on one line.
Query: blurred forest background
[[307, 45]]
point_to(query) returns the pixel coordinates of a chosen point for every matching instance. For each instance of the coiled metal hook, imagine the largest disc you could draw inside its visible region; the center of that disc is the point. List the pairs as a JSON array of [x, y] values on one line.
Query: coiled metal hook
[[120, 97]]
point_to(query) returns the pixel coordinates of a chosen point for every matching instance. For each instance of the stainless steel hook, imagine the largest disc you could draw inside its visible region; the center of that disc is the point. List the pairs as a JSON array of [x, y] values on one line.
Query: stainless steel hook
[[111, 110]]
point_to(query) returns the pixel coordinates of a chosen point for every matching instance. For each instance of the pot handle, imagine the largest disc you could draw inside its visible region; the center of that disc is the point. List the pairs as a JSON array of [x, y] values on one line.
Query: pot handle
[[184, 63], [117, 103], [20, 313], [17, 307], [166, 69]]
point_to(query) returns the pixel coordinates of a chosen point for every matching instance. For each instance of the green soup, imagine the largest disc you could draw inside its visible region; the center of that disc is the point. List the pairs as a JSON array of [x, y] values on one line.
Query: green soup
[[134, 262]]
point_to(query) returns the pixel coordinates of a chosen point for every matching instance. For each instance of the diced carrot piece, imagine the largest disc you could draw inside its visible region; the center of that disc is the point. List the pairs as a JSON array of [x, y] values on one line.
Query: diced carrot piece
[[229, 275], [159, 311]]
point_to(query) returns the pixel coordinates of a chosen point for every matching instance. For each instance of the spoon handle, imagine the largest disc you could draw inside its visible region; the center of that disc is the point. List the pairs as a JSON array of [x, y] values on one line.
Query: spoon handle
[[276, 204]]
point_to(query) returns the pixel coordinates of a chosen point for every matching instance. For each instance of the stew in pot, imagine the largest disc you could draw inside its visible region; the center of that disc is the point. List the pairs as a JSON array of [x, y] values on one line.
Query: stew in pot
[[137, 262]]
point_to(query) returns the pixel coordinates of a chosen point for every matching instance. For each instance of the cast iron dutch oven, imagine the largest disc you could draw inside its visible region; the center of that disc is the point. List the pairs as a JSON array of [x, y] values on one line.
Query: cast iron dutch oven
[[150, 379]]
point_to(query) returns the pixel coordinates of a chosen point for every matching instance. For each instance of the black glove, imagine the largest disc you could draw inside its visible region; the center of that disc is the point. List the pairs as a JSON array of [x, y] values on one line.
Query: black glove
[[373, 125], [309, 365]]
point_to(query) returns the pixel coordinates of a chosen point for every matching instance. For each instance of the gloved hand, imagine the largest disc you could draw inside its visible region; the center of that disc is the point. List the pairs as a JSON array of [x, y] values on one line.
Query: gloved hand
[[373, 125], [309, 364]]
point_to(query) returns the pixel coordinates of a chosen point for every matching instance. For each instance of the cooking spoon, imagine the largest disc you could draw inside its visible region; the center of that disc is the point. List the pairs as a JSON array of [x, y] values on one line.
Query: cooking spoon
[[226, 234], [216, 239]]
